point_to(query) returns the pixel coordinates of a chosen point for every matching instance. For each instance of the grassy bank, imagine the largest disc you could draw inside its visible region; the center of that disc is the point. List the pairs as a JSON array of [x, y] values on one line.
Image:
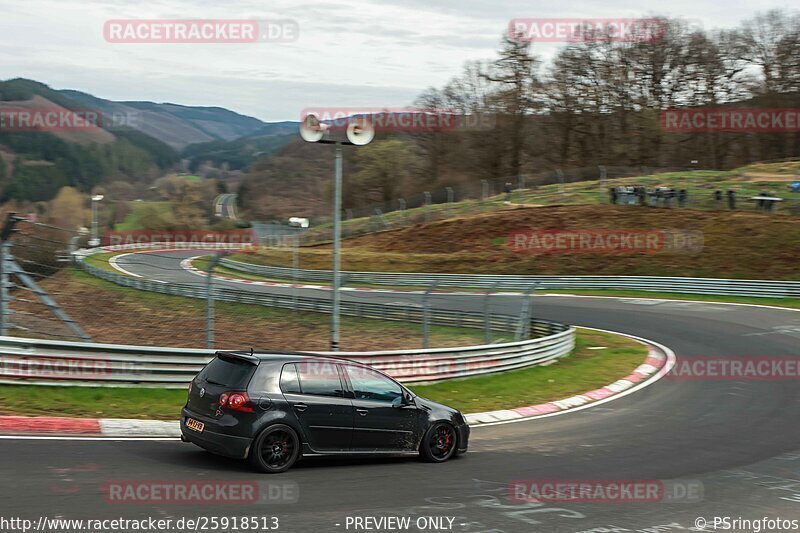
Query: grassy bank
[[141, 211], [700, 185], [734, 245]]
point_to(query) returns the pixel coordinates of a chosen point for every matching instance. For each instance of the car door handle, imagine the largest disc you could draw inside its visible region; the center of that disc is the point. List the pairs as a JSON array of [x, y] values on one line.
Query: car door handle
[[300, 406], [362, 412]]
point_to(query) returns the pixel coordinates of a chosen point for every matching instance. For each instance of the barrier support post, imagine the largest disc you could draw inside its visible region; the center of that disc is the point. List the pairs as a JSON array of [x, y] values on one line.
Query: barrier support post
[[450, 201], [487, 328], [295, 269], [210, 311], [525, 314], [3, 290], [427, 196], [426, 315]]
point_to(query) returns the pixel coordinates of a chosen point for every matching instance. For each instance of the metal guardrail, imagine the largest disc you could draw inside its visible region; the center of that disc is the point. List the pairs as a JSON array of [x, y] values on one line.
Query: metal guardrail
[[86, 364], [45, 362], [730, 287]]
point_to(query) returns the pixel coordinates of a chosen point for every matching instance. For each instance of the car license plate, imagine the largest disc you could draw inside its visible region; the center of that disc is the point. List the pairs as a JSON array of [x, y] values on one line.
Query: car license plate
[[196, 425]]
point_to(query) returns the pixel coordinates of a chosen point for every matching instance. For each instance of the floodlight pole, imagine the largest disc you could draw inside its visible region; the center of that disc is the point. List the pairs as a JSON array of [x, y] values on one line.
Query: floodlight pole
[[337, 244], [95, 234], [359, 133]]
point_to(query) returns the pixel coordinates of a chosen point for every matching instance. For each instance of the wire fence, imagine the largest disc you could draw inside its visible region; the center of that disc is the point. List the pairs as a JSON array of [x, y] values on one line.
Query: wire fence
[[585, 185], [31, 260], [493, 327]]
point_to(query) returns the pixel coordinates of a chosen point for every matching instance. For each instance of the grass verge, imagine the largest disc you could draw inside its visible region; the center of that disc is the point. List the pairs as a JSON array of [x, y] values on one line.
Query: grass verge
[[115, 314], [585, 369], [101, 260], [598, 359]]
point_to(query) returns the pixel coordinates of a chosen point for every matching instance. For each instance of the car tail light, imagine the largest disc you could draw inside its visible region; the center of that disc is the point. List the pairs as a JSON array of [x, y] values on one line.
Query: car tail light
[[235, 401]]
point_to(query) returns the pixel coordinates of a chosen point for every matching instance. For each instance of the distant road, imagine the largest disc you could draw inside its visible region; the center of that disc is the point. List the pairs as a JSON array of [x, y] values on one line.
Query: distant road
[[225, 206]]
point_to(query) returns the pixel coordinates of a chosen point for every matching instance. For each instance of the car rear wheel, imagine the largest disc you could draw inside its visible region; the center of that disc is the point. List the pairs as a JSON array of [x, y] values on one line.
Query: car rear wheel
[[275, 449], [439, 444]]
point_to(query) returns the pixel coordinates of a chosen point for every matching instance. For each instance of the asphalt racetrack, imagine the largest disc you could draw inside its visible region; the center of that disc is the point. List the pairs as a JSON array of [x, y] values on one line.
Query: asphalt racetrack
[[736, 443]]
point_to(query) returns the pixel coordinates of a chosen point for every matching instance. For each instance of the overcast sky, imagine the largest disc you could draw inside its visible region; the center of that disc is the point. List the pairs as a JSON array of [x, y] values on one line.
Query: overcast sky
[[349, 53]]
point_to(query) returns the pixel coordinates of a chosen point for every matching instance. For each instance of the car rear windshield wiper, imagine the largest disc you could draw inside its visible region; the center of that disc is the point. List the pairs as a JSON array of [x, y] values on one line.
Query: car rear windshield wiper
[[215, 382]]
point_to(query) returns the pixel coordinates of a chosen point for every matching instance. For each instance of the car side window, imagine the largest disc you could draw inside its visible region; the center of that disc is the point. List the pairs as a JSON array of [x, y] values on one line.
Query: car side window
[[370, 385], [289, 381], [320, 378]]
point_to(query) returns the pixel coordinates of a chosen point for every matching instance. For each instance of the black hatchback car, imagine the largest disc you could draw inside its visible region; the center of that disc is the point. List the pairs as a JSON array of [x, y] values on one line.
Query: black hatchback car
[[274, 408]]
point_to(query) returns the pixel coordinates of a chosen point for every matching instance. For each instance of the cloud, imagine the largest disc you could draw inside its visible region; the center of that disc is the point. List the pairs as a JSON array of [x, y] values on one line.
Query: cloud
[[358, 52]]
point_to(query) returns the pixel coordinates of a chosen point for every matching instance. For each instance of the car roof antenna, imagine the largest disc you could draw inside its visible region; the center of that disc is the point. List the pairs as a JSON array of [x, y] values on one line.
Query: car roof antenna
[[251, 350]]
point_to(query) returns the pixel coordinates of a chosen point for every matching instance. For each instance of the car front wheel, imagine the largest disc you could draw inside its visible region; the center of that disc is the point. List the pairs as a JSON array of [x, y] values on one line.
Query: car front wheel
[[439, 444]]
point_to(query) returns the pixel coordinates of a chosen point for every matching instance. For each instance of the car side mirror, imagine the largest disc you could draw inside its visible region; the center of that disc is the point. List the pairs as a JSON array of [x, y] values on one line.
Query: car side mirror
[[402, 401]]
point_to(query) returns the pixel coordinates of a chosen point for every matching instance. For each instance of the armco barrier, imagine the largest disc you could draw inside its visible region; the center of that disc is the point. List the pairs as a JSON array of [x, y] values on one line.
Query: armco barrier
[[730, 287], [72, 363]]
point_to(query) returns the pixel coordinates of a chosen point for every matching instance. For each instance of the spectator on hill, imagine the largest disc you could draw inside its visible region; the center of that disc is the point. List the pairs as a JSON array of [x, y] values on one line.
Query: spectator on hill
[[769, 204], [640, 195], [612, 195], [762, 204], [682, 196], [731, 199]]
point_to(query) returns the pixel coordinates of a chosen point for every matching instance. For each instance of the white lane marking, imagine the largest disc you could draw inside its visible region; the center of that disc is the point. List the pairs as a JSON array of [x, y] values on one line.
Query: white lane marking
[[689, 305], [777, 307], [121, 427], [113, 262], [671, 359], [776, 330]]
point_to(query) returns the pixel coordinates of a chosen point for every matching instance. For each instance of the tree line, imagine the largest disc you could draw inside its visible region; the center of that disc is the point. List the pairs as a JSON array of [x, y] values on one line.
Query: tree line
[[596, 102], [599, 101]]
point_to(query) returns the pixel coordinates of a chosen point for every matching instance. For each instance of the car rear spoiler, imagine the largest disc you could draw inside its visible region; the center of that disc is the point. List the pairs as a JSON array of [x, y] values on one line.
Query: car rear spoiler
[[244, 356]]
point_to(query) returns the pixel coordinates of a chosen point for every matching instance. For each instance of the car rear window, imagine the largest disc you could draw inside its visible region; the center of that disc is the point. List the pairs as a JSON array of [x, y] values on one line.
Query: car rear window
[[319, 378], [228, 371], [289, 382]]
